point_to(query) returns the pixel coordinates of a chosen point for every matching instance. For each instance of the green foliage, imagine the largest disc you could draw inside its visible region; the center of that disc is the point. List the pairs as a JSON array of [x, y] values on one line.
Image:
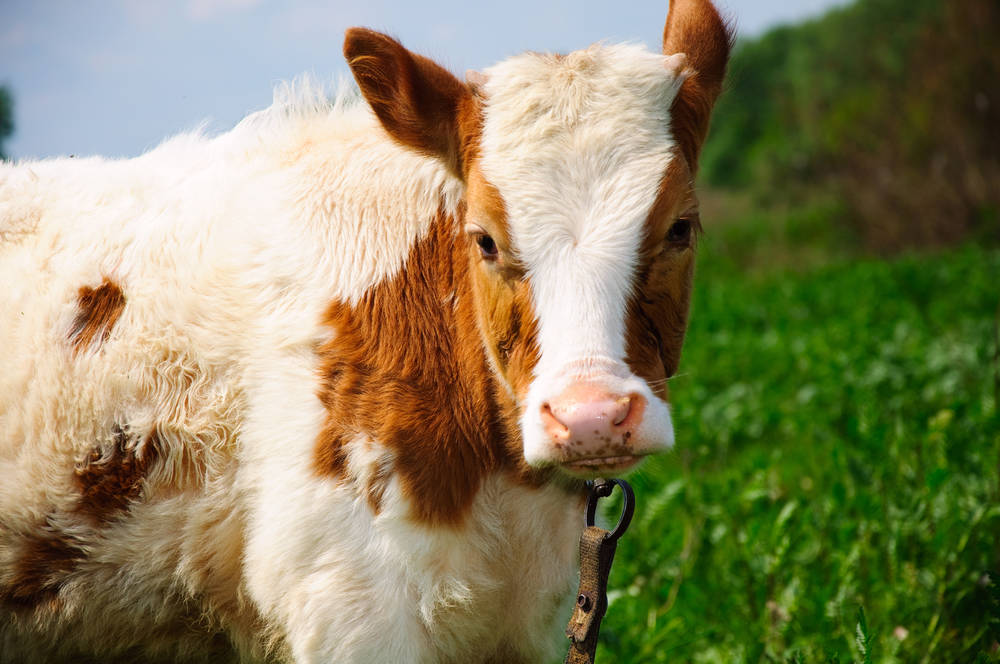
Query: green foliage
[[837, 417], [6, 117], [894, 105], [838, 447], [863, 637]]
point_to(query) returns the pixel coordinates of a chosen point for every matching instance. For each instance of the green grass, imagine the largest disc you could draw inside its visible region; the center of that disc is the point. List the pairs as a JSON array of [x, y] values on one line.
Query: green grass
[[838, 444]]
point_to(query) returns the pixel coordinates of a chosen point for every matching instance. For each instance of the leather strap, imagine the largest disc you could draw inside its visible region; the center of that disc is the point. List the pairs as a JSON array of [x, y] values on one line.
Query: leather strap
[[597, 550]]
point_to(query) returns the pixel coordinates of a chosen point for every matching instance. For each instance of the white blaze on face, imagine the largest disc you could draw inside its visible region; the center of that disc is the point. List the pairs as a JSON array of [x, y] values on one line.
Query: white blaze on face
[[577, 147]]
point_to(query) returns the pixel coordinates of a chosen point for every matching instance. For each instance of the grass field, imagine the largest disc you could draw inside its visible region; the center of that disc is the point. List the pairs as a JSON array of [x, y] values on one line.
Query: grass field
[[838, 442]]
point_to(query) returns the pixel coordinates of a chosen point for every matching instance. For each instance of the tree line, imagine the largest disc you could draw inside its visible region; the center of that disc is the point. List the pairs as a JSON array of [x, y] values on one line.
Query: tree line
[[6, 118], [893, 106]]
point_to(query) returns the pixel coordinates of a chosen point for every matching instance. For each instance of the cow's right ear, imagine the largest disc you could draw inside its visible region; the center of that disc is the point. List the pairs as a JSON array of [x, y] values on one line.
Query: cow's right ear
[[418, 101]]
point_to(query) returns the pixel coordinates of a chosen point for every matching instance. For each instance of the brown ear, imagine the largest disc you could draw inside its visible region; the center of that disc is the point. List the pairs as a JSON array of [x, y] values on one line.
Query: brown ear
[[417, 101], [695, 28]]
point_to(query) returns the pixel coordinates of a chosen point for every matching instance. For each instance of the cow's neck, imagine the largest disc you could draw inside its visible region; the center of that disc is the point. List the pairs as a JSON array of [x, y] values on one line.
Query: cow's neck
[[406, 371]]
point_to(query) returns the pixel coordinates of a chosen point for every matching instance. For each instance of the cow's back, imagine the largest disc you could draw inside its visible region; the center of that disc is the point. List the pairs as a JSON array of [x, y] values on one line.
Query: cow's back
[[119, 406], [154, 311]]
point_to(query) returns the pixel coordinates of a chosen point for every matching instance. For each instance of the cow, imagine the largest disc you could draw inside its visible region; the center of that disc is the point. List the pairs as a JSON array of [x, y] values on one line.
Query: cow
[[327, 387]]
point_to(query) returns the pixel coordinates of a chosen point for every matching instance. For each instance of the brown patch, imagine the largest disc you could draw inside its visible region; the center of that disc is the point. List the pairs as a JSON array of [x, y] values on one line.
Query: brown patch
[[46, 560], [508, 325], [695, 28], [410, 372], [98, 309], [403, 369], [675, 197], [504, 312], [657, 312], [657, 317], [112, 478], [108, 481], [487, 208]]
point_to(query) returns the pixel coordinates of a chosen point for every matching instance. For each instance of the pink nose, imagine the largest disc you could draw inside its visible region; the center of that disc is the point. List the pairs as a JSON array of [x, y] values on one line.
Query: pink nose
[[590, 421]]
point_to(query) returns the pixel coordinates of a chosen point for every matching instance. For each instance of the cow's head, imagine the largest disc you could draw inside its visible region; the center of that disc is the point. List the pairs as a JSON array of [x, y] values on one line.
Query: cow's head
[[580, 218]]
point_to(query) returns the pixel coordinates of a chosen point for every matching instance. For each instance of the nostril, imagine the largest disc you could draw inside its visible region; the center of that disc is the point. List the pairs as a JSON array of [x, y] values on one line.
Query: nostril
[[630, 410], [623, 407], [553, 425]]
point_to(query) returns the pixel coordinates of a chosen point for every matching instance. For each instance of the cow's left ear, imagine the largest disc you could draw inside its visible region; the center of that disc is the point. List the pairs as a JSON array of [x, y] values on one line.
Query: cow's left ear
[[695, 28], [418, 102]]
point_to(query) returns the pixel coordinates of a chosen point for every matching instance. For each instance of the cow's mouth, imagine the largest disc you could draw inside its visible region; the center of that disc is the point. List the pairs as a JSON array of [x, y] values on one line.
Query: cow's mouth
[[602, 466]]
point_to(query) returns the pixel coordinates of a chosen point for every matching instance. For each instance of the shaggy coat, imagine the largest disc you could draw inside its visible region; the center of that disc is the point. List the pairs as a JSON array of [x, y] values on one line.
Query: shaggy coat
[[325, 388]]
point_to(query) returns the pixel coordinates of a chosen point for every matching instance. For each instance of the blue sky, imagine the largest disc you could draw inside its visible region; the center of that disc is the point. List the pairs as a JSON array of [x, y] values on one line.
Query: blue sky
[[115, 77]]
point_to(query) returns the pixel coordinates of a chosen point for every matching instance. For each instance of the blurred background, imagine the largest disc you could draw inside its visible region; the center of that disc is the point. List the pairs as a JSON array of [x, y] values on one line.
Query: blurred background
[[834, 492]]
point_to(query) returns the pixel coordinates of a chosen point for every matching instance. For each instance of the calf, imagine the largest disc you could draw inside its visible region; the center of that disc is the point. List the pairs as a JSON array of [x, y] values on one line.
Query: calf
[[326, 387]]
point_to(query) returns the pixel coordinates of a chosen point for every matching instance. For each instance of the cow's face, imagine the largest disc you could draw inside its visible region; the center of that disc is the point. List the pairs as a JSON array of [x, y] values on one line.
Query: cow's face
[[580, 219], [580, 215]]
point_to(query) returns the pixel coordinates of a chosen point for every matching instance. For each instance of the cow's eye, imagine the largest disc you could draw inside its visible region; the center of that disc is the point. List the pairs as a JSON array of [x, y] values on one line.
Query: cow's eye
[[680, 232], [487, 245]]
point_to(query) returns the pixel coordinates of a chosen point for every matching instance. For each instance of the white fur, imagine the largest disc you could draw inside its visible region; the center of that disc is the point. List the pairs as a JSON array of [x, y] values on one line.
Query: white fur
[[577, 147], [228, 251]]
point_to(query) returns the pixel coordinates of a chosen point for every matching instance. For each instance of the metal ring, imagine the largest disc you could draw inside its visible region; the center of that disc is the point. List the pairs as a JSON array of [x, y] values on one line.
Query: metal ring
[[602, 489]]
